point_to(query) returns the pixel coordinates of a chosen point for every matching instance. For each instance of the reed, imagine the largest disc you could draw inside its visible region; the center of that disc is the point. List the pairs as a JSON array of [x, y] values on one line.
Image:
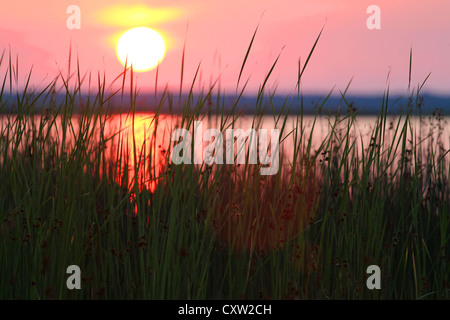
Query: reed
[[73, 193]]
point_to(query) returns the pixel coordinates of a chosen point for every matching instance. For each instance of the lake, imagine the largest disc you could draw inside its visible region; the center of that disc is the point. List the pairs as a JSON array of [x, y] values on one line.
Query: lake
[[135, 138]]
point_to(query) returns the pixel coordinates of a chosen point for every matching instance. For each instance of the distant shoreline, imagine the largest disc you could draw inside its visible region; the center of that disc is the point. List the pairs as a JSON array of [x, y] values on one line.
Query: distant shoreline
[[145, 103]]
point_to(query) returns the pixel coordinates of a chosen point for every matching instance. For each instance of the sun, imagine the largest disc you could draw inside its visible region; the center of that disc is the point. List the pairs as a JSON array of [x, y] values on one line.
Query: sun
[[143, 48]]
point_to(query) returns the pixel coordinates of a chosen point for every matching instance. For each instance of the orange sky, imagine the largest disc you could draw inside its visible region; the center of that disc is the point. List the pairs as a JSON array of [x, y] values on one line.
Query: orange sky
[[220, 30]]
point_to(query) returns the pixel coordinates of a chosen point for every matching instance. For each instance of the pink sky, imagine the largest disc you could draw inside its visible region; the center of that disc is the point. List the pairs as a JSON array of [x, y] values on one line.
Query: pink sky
[[221, 30]]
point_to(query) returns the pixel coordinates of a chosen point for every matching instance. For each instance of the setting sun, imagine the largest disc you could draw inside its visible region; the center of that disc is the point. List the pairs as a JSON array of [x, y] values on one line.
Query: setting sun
[[142, 48]]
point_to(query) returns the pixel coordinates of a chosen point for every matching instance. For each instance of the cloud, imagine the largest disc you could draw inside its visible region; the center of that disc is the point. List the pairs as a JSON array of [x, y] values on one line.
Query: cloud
[[137, 15]]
